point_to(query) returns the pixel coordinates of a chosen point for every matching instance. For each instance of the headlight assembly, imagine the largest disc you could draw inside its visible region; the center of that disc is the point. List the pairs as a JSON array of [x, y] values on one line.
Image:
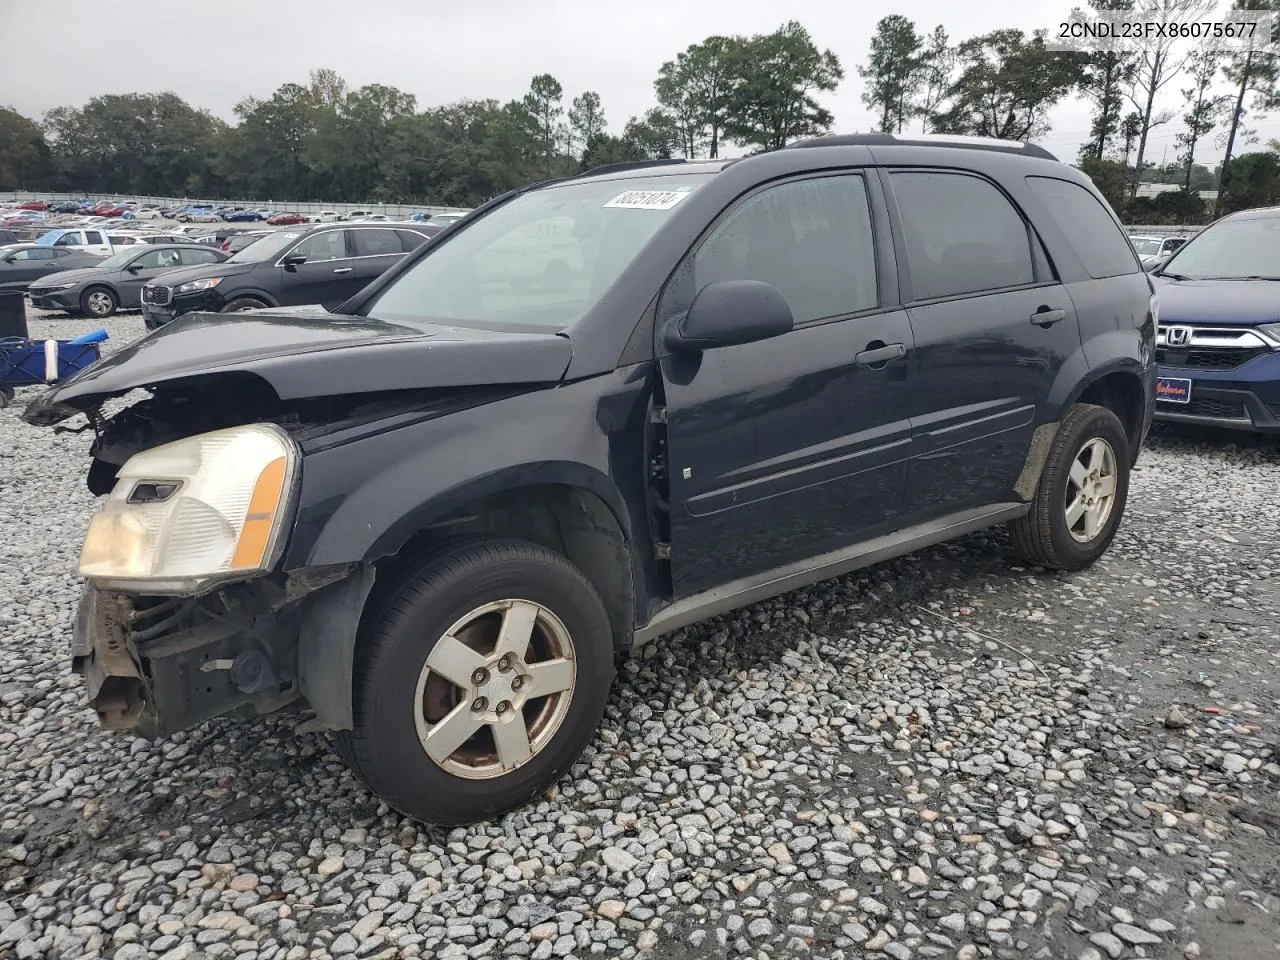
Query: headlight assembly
[[208, 283], [207, 508]]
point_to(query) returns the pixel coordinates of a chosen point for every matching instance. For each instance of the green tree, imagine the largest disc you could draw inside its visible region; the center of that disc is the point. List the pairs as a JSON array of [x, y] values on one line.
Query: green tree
[[779, 75], [1006, 87], [656, 135], [1104, 77], [586, 120], [697, 89], [894, 71], [24, 155], [543, 103], [1254, 74], [937, 72], [1111, 177], [1204, 108], [1252, 180]]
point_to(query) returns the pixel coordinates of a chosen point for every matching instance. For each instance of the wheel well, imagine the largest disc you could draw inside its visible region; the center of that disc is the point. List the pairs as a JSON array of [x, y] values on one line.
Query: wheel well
[[1122, 394], [573, 522]]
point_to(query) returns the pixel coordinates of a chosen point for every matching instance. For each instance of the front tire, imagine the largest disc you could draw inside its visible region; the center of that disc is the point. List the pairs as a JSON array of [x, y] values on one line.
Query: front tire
[[98, 303], [479, 682], [241, 304], [1082, 493]]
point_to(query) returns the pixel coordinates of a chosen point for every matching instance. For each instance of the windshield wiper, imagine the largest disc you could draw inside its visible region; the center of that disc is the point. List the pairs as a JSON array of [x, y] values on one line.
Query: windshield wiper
[[1252, 276], [1172, 276]]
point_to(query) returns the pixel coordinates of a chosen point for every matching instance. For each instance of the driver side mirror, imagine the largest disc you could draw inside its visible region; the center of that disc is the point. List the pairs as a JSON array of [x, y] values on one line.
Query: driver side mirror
[[729, 312], [294, 260]]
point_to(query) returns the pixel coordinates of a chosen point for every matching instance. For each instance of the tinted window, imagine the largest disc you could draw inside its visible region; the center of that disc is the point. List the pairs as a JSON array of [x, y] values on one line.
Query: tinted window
[[410, 240], [34, 255], [196, 255], [1101, 246], [811, 239], [329, 245], [155, 259], [93, 236], [375, 243], [61, 253], [962, 235]]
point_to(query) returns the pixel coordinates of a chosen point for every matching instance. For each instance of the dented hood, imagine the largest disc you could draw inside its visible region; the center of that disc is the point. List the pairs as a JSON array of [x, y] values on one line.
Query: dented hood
[[306, 352]]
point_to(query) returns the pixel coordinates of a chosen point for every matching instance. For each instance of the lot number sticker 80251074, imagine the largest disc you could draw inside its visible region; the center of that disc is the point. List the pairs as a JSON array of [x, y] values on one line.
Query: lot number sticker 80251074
[[647, 199]]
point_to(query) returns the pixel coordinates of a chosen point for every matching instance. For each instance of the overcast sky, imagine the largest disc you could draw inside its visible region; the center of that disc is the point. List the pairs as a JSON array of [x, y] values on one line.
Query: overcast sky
[[216, 52]]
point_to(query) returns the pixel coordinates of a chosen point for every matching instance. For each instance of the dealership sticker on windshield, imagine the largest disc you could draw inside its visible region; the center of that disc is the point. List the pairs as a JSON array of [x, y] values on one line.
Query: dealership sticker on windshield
[[647, 199]]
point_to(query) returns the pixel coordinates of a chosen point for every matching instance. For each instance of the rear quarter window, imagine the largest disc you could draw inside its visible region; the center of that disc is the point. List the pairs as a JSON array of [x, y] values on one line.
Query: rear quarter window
[[1101, 245]]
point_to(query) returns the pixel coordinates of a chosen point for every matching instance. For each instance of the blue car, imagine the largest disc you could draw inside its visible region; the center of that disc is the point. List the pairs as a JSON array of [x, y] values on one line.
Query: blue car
[[242, 216], [1218, 346]]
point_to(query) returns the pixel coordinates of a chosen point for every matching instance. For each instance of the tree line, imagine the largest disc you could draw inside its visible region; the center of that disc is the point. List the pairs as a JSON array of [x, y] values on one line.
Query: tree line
[[325, 141]]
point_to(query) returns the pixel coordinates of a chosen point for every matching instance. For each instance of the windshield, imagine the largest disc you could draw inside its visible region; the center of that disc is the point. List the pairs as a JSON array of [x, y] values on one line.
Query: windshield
[[116, 261], [1230, 249], [1146, 246], [265, 248], [542, 259]]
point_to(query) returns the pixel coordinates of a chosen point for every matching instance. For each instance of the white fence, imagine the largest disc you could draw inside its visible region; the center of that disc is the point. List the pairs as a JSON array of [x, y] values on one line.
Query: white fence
[[396, 211], [1163, 230]]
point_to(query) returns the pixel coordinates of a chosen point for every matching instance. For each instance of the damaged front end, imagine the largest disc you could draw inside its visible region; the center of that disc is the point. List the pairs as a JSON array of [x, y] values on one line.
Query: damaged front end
[[156, 665]]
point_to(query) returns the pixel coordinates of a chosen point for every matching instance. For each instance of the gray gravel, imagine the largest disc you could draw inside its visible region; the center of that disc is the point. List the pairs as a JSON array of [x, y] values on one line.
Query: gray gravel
[[946, 756]]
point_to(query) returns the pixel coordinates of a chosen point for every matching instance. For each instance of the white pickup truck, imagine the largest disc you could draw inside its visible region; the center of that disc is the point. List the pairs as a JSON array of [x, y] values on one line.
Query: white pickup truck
[[87, 240]]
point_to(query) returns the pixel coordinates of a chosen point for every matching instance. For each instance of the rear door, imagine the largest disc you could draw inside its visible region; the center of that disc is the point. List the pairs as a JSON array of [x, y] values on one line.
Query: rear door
[[992, 327], [374, 250], [95, 241], [791, 447]]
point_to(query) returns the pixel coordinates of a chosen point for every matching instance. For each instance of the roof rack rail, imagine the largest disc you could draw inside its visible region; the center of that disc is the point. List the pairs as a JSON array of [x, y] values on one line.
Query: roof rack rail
[[925, 140], [628, 165]]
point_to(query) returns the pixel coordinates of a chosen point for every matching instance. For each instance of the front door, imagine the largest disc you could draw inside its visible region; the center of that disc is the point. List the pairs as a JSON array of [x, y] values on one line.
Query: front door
[[992, 329], [142, 271], [791, 447], [329, 276]]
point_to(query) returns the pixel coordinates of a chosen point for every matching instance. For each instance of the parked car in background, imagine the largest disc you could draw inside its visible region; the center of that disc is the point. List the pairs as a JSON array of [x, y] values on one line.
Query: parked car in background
[[237, 242], [9, 236], [87, 240], [286, 219], [243, 216], [325, 265], [21, 264], [116, 282], [148, 212], [1219, 341], [33, 205], [114, 210], [197, 215], [1154, 249], [439, 519], [208, 240], [326, 216], [67, 206]]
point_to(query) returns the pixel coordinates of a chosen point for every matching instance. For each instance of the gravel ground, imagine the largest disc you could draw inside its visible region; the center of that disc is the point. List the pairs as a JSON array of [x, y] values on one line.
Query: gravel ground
[[945, 756]]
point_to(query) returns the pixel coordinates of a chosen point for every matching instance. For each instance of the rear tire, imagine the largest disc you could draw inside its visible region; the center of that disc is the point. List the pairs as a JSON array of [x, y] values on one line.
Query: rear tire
[[1081, 497], [431, 673]]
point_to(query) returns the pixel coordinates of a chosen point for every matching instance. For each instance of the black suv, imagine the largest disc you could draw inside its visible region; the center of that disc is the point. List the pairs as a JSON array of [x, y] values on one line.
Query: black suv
[[593, 412], [289, 267]]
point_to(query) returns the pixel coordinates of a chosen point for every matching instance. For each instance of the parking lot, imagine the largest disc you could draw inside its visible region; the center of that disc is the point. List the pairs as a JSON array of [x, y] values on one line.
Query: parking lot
[[949, 755]]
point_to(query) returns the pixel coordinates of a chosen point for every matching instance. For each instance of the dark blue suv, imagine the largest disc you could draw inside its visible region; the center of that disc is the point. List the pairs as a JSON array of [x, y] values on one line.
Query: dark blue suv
[[1218, 345]]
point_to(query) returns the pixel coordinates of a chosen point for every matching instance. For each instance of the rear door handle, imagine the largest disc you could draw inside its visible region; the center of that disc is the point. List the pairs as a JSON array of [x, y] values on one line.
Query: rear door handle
[[883, 353], [343, 270], [1044, 317]]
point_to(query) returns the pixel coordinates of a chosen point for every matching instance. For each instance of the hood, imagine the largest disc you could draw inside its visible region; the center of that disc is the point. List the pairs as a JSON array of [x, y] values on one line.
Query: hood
[[180, 275], [306, 352], [71, 276], [1225, 303]]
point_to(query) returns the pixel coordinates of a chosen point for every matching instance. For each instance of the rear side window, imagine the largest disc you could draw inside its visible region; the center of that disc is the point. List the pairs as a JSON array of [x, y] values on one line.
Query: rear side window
[[376, 243], [92, 236], [962, 235], [1102, 247], [410, 240]]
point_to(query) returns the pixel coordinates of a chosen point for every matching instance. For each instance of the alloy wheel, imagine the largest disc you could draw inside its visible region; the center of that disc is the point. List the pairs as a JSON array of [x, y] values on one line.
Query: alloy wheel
[[1091, 490], [495, 689]]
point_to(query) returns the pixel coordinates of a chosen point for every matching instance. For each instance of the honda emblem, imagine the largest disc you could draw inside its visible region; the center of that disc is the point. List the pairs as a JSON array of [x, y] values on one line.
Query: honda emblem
[[1177, 336]]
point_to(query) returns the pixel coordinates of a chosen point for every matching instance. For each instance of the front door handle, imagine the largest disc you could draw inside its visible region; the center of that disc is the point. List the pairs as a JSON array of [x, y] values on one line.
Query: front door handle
[[343, 270], [1044, 317], [879, 353]]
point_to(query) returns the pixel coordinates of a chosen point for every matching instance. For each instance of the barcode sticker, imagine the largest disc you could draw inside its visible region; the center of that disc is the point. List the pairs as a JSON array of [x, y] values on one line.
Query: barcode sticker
[[648, 199]]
